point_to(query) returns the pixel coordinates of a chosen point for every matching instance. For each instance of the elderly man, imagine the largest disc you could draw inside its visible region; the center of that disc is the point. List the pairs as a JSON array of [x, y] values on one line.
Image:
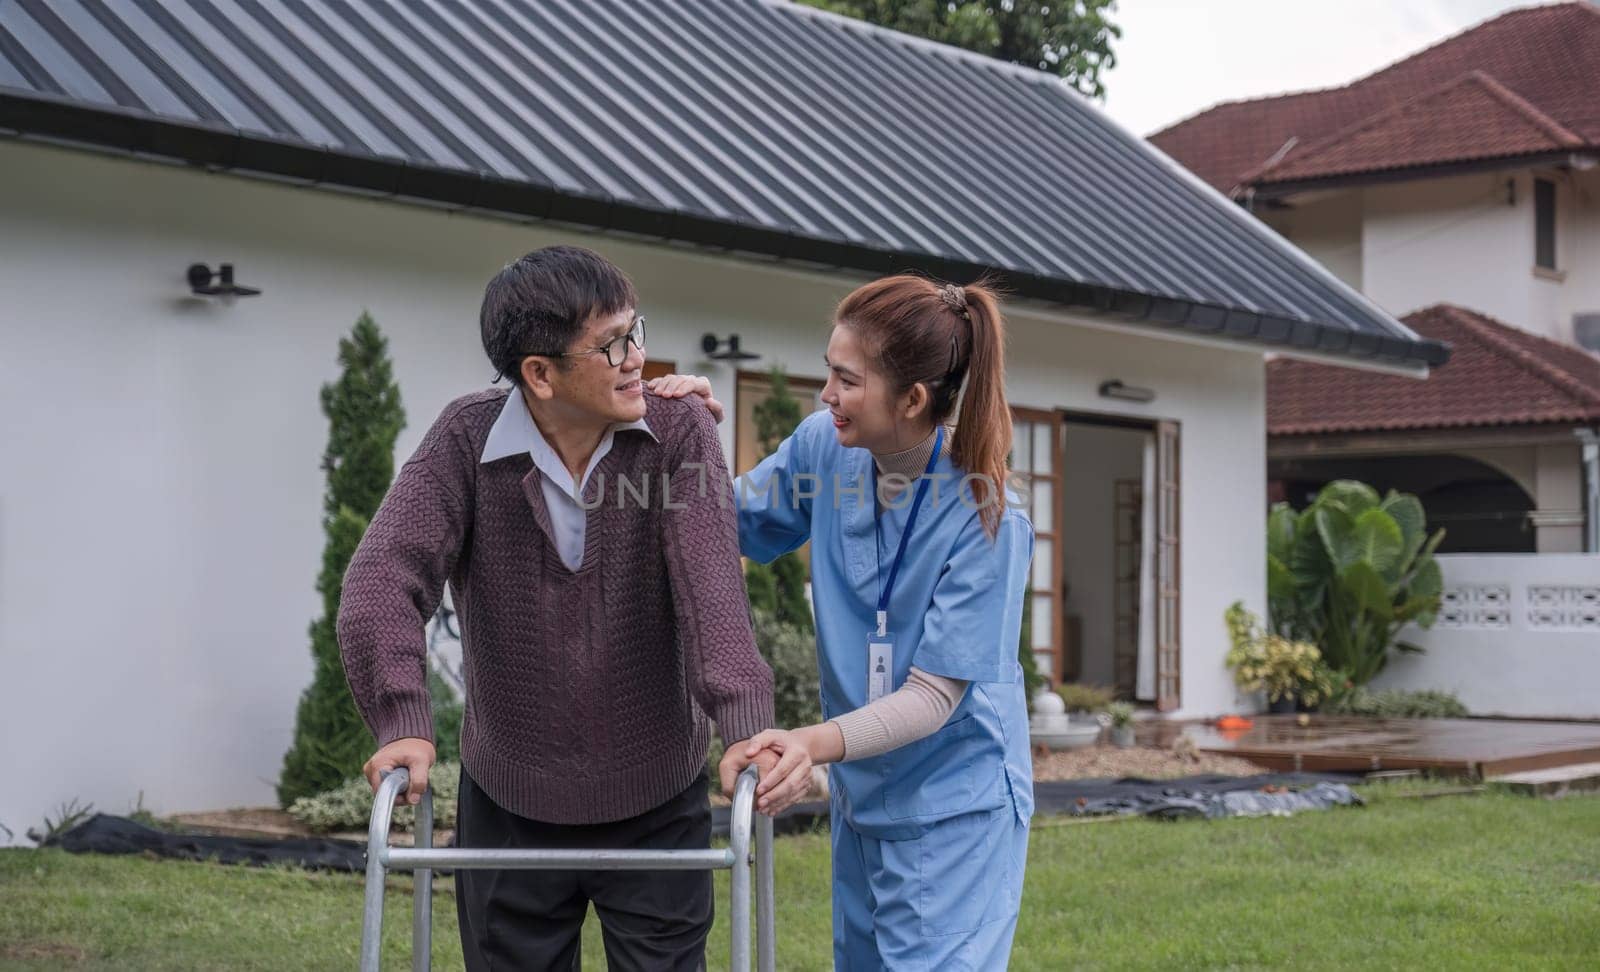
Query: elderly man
[[589, 541]]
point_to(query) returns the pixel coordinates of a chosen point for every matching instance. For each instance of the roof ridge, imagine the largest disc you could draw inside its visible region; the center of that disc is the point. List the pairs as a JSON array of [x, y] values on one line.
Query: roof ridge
[[1552, 128], [1463, 32], [1485, 328], [1351, 84], [1528, 109], [1356, 127]]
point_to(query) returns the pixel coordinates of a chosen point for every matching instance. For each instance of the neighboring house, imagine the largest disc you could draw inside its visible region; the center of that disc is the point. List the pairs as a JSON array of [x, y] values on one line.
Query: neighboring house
[[1466, 173], [748, 162], [1458, 187], [1488, 442]]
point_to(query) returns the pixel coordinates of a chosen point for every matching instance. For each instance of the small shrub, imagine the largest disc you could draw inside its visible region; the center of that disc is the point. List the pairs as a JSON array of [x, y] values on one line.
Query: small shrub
[[792, 653], [1032, 680], [713, 760], [348, 806], [1121, 714], [1283, 668], [796, 690], [1399, 704], [1086, 698], [448, 710]]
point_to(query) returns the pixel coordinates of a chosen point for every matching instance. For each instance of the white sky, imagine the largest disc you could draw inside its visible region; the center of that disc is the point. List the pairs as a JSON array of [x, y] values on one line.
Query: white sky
[[1179, 56]]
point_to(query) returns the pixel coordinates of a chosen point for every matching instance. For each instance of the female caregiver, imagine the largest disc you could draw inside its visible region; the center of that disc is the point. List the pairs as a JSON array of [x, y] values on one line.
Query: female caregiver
[[918, 571]]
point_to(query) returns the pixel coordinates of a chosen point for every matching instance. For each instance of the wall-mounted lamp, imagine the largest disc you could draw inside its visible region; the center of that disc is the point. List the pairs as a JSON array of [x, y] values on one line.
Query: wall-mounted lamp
[[200, 277], [1128, 393], [710, 345]]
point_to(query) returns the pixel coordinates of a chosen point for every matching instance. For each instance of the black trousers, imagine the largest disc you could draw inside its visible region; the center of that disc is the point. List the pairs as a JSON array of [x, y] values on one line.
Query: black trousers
[[650, 920]]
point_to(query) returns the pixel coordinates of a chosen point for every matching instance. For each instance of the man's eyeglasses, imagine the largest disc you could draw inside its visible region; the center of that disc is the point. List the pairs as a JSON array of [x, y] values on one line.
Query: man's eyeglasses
[[615, 350]]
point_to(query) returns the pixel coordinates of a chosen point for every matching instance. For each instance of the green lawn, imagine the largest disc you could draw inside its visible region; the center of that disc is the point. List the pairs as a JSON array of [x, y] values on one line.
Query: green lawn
[[1493, 881]]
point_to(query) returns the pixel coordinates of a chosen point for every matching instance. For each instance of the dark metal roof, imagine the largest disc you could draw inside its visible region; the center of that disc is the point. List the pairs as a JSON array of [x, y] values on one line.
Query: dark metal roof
[[749, 125]]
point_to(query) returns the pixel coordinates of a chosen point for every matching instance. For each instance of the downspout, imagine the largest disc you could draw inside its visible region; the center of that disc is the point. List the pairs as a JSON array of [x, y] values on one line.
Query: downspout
[[1591, 488]]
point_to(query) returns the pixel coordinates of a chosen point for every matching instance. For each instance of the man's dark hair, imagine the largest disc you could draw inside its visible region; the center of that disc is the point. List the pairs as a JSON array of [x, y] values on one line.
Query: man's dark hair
[[540, 303]]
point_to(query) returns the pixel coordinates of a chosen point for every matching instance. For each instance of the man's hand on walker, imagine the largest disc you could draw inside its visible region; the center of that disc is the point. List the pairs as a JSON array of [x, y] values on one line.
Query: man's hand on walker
[[797, 749], [416, 755], [734, 761], [677, 386]]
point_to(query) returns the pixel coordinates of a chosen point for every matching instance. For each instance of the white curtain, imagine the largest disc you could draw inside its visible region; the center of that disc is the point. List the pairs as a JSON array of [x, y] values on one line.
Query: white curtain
[[1145, 685]]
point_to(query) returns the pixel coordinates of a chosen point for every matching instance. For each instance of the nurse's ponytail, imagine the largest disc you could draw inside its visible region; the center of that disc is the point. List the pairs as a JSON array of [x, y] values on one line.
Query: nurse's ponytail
[[983, 435], [951, 339]]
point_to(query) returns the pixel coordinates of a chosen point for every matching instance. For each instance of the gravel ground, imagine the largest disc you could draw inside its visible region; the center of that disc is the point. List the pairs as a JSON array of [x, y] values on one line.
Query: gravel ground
[[1149, 762]]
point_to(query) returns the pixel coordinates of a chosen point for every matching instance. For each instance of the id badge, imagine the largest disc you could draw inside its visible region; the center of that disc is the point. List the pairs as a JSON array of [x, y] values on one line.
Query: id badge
[[880, 665]]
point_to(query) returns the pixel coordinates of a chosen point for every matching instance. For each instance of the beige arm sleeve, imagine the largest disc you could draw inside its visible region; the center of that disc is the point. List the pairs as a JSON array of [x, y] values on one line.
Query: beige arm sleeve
[[913, 711]]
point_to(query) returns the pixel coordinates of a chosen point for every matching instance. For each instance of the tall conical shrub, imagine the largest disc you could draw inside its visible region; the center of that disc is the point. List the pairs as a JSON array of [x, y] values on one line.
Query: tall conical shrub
[[780, 586], [364, 420]]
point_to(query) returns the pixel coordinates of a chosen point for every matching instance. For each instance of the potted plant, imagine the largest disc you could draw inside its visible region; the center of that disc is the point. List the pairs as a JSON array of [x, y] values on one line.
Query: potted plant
[[1291, 673], [1120, 715], [1084, 700]]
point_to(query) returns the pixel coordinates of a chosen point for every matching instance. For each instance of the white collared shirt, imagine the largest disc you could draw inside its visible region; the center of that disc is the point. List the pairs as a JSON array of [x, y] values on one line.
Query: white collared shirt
[[514, 432]]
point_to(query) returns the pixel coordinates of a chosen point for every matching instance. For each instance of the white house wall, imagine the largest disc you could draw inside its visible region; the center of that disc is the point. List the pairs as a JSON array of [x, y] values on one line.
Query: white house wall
[[1469, 240], [1220, 399], [1519, 635], [1580, 292], [1560, 498], [160, 498]]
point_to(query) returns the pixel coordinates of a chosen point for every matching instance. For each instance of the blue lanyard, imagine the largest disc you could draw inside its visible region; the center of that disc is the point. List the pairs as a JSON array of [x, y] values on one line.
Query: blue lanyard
[[905, 536]]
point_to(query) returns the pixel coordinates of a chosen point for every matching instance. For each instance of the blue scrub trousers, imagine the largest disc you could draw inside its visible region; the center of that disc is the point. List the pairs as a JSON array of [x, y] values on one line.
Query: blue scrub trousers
[[945, 900]]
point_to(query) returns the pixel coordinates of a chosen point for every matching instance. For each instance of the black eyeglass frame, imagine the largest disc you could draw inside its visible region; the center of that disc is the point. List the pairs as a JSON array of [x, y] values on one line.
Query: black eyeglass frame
[[634, 335]]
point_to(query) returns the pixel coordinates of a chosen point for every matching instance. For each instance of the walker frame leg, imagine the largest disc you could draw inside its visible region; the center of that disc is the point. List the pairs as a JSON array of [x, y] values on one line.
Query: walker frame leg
[[749, 855]]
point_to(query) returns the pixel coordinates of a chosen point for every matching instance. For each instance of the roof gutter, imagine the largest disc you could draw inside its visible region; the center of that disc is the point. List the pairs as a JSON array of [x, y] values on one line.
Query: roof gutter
[[227, 149]]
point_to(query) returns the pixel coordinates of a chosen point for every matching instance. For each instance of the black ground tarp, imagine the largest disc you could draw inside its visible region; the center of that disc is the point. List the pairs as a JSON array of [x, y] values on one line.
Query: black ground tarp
[[1193, 796], [103, 834], [1210, 796]]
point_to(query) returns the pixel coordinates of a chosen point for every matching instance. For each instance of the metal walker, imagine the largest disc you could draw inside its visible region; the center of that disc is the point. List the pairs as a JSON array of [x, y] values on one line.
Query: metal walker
[[739, 857]]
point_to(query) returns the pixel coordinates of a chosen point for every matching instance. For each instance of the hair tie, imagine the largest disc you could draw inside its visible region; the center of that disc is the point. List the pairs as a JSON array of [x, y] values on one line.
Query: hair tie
[[956, 299]]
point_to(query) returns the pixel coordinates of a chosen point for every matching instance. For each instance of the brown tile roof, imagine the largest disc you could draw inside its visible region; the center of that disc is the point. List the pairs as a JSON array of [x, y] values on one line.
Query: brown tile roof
[[1496, 375], [1523, 83]]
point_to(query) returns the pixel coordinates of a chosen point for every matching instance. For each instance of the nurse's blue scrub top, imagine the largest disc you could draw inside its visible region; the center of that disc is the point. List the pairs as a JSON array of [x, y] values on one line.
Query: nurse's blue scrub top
[[956, 611]]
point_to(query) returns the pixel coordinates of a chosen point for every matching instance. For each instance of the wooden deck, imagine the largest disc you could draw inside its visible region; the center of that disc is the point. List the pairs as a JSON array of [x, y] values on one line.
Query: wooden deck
[[1475, 748]]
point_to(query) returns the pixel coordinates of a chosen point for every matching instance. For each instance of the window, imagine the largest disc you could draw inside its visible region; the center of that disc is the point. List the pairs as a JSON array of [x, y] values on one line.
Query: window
[[1544, 224]]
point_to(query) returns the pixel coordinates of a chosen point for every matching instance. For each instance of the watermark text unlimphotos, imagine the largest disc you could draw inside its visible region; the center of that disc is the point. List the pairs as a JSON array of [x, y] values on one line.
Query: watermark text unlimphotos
[[694, 483]]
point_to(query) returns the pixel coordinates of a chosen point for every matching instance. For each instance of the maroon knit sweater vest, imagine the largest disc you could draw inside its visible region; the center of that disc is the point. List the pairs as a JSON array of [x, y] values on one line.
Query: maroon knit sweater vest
[[587, 690]]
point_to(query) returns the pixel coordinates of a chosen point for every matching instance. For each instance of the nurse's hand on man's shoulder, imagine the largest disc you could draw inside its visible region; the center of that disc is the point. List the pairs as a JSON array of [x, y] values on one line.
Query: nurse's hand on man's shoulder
[[677, 386]]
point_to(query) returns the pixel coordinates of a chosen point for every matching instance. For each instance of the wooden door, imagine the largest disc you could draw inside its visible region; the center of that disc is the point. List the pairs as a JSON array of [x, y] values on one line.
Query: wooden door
[[1168, 656], [1036, 459]]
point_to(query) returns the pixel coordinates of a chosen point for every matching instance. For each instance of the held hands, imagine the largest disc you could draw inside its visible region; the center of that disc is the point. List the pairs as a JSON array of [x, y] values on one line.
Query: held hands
[[677, 386], [734, 761], [416, 755], [785, 757]]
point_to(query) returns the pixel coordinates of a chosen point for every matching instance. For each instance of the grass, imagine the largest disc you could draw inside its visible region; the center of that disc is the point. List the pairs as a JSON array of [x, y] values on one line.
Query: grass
[[1488, 881]]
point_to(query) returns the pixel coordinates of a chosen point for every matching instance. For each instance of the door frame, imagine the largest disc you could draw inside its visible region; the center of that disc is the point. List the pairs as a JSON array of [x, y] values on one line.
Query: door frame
[[1168, 537]]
